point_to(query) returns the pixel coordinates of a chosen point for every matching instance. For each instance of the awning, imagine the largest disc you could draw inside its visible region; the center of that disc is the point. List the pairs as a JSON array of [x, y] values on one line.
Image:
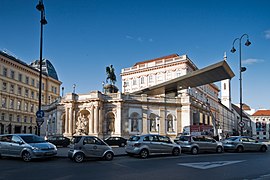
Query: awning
[[207, 75]]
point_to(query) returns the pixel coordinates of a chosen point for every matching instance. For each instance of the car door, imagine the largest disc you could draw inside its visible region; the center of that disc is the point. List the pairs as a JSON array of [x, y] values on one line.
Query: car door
[[246, 144], [4, 144], [16, 146], [89, 146], [166, 144], [210, 144], [155, 144], [254, 145]]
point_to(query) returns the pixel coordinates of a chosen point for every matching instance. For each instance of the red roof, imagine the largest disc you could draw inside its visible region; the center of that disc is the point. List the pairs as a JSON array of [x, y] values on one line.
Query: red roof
[[156, 59], [262, 113]]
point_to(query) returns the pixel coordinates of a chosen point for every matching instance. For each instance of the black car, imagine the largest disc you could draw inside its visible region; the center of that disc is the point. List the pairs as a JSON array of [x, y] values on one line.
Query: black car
[[59, 140], [116, 141]]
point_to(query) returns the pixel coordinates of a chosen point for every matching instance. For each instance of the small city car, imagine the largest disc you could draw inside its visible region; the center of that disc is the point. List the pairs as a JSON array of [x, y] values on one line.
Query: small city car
[[196, 144], [59, 140], [243, 143], [26, 146], [116, 141], [151, 144], [83, 147]]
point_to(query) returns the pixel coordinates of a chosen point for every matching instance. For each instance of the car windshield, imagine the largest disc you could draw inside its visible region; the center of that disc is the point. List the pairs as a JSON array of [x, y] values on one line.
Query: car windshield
[[33, 139], [134, 138], [75, 139]]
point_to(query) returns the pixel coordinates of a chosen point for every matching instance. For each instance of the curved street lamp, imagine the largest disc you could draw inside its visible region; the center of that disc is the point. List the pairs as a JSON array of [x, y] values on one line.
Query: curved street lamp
[[241, 69], [40, 7]]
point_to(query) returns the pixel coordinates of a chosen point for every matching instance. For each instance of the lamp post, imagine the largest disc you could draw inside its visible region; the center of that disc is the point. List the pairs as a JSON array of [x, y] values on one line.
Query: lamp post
[[241, 69], [43, 21]]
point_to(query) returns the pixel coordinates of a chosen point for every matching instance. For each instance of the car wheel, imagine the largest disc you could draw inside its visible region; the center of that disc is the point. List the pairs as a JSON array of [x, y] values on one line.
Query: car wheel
[[219, 149], [194, 150], [108, 156], [122, 145], [144, 153], [78, 157], [26, 156], [240, 149], [263, 149], [176, 151]]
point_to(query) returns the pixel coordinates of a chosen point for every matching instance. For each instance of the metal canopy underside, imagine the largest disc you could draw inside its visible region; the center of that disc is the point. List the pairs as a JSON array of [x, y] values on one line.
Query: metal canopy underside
[[207, 75]]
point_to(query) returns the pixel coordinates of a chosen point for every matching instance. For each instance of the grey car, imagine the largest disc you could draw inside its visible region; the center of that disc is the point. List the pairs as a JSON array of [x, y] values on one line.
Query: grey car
[[244, 143], [151, 144], [89, 147], [26, 146], [196, 144]]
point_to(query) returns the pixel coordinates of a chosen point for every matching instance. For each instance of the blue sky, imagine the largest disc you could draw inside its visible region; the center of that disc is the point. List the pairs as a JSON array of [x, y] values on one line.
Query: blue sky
[[82, 37]]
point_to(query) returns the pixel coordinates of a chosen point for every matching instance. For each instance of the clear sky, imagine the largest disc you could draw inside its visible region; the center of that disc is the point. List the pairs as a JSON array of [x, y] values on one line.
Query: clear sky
[[82, 37]]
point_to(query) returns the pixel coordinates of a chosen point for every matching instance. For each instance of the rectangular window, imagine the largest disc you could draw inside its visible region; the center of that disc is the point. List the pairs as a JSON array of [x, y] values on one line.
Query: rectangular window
[[4, 88], [26, 80], [32, 94], [10, 118], [20, 77], [11, 103], [142, 80], [26, 106], [32, 108], [25, 119], [19, 90], [4, 102], [11, 88], [26, 92], [18, 118], [4, 72], [134, 81], [12, 74], [151, 79], [19, 105], [33, 82], [3, 116], [43, 86]]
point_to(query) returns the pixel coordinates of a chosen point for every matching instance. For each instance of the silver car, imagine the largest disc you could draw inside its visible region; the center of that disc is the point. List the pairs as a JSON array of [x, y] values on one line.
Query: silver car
[[89, 147], [150, 144], [244, 143], [26, 146], [196, 144]]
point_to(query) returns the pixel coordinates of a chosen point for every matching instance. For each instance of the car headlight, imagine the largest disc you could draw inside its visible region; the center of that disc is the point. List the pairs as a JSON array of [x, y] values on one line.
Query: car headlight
[[35, 148]]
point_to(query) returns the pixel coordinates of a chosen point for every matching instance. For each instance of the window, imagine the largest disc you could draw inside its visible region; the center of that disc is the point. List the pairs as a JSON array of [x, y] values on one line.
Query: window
[[4, 102], [4, 72], [4, 88], [11, 103], [142, 80], [25, 106], [32, 108], [134, 82], [11, 88], [19, 90], [12, 74], [19, 105], [26, 80], [32, 94], [20, 77], [43, 86], [151, 79], [10, 118], [26, 92], [25, 119], [33, 82], [18, 118], [3, 116]]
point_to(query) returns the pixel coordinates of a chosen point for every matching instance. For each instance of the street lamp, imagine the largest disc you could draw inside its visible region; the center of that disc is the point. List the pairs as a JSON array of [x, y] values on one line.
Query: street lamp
[[241, 69], [43, 21]]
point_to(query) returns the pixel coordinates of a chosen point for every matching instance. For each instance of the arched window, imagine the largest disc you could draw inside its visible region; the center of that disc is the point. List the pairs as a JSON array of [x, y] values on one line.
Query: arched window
[[153, 122], [170, 123], [134, 122]]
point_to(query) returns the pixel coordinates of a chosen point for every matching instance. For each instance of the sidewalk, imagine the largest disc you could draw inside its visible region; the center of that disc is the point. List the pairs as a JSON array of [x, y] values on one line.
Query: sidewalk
[[63, 152]]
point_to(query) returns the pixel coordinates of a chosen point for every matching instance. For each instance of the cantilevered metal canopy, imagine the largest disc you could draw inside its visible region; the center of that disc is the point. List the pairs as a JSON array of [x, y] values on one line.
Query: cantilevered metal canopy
[[207, 75]]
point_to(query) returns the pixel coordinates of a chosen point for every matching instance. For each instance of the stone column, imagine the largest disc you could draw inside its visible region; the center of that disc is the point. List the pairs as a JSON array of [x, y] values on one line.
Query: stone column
[[66, 120], [96, 121], [117, 121], [70, 121], [91, 120], [101, 119], [145, 129], [162, 122]]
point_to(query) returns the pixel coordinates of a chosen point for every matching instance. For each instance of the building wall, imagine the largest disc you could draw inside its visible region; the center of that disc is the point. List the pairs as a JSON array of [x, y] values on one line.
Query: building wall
[[19, 91], [261, 127]]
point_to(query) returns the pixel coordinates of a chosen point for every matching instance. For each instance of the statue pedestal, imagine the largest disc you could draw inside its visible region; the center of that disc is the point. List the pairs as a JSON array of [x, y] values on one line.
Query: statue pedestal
[[110, 88]]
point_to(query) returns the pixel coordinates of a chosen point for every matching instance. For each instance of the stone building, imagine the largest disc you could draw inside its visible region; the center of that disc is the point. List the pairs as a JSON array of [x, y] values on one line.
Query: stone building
[[172, 94], [19, 92]]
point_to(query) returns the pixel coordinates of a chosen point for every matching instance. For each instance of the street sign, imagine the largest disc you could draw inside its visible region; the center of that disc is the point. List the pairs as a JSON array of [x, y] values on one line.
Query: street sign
[[241, 124], [40, 121], [40, 114]]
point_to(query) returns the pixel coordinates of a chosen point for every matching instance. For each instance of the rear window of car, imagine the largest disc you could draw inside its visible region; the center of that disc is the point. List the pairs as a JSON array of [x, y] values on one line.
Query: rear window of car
[[134, 138], [76, 139]]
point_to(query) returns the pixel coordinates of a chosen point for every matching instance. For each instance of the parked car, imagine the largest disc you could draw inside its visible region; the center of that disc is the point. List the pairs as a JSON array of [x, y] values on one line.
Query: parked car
[[116, 141], [59, 140], [243, 143], [26, 146], [196, 144], [89, 147], [150, 144]]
